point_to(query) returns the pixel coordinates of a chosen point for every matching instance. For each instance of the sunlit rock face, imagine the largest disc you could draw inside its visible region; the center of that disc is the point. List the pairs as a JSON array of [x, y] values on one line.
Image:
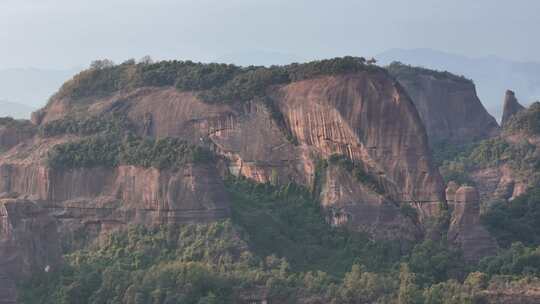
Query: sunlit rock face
[[366, 117]]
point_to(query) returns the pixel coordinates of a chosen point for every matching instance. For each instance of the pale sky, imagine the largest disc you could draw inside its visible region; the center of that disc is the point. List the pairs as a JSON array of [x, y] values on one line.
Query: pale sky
[[69, 33]]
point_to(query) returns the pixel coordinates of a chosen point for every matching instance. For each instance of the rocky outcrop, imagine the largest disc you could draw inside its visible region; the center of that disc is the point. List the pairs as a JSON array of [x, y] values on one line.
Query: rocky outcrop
[[358, 207], [465, 230], [499, 183], [29, 244], [511, 106], [14, 132], [448, 105], [365, 116]]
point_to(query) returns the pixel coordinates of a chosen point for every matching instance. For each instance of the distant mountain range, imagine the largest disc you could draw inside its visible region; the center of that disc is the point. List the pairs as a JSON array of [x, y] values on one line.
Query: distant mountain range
[[29, 89], [492, 75], [15, 110]]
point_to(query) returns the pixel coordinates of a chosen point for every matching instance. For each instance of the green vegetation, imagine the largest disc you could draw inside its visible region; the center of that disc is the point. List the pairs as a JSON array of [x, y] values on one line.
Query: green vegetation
[[89, 152], [108, 123], [20, 125], [518, 220], [359, 172], [291, 217], [522, 157], [444, 151], [527, 120], [277, 242], [215, 82], [111, 151], [517, 260], [400, 70]]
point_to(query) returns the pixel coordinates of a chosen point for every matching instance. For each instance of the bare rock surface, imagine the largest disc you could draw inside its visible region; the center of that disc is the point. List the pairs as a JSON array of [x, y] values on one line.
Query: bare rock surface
[[365, 116], [510, 107], [448, 105], [465, 228]]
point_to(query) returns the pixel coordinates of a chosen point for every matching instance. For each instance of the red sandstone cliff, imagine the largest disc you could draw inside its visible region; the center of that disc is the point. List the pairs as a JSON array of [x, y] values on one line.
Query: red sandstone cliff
[[365, 116], [448, 104]]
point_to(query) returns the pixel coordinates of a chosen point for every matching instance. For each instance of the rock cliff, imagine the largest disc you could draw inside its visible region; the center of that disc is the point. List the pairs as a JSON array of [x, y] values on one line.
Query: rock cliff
[[465, 228], [515, 153], [510, 107], [448, 104], [278, 136]]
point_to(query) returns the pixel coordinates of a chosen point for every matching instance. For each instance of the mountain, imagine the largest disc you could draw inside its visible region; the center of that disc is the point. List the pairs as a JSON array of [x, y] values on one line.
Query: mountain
[[15, 110], [492, 75], [447, 104], [31, 87], [511, 107], [201, 183]]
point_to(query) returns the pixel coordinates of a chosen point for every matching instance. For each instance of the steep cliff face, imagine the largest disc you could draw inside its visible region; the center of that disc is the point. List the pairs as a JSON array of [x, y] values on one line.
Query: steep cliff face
[[510, 107], [465, 228], [13, 132], [277, 137], [358, 207], [516, 154], [365, 116], [29, 244], [448, 105]]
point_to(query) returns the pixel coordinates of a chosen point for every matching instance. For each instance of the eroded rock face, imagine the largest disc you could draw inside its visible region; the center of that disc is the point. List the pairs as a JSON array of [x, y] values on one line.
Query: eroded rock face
[[365, 116], [465, 228], [29, 243], [61, 205], [10, 136], [449, 108], [510, 107], [358, 207], [369, 119], [499, 183]]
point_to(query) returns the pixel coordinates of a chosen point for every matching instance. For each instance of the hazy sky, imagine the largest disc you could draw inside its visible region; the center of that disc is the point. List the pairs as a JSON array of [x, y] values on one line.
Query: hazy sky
[[67, 33]]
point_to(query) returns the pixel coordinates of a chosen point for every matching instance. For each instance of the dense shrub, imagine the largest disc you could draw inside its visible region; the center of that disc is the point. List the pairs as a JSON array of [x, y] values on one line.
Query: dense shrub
[[291, 217], [162, 153], [90, 152], [436, 262], [107, 123], [112, 150], [517, 260], [20, 125], [359, 172], [527, 120], [215, 82], [522, 157], [278, 241], [445, 151], [517, 220], [400, 70]]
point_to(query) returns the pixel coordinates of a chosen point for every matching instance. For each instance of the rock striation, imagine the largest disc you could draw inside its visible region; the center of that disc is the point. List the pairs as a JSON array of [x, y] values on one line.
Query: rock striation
[[448, 105], [465, 230], [364, 116], [510, 107]]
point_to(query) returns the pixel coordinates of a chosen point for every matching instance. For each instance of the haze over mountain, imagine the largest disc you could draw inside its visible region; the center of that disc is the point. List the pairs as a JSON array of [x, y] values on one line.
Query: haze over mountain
[[32, 86], [491, 74], [337, 179], [15, 110]]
